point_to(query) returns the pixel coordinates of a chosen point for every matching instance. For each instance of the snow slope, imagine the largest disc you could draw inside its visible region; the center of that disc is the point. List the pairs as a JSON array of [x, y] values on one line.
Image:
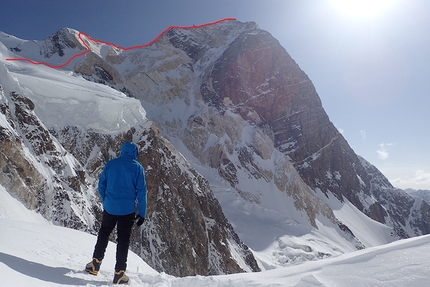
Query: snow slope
[[63, 98], [36, 253]]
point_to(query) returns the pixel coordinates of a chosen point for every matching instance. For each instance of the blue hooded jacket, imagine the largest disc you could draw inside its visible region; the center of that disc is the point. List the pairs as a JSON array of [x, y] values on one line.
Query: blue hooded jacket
[[122, 182]]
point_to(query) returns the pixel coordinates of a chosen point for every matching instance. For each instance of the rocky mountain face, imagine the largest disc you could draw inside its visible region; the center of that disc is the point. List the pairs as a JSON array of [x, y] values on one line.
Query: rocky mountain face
[[53, 169], [178, 69], [421, 193], [232, 77], [186, 232], [39, 171], [228, 97], [408, 215]]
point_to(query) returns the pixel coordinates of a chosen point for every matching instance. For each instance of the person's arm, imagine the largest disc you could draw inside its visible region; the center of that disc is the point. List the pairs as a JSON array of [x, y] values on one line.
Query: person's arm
[[103, 184], [141, 192]]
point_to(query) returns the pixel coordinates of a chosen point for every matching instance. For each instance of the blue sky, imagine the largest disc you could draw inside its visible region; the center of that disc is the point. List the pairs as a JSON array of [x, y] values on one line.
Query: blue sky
[[372, 73]]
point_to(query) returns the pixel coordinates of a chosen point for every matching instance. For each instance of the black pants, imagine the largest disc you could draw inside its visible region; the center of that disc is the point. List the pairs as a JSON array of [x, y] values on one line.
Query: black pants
[[123, 223]]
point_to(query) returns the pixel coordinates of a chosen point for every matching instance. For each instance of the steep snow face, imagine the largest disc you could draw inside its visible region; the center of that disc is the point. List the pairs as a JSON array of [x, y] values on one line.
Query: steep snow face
[[63, 99], [55, 50]]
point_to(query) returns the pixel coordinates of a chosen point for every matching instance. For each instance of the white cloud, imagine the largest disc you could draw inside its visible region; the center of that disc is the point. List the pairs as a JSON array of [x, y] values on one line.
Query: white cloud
[[419, 180], [363, 134], [383, 150], [382, 154], [340, 130]]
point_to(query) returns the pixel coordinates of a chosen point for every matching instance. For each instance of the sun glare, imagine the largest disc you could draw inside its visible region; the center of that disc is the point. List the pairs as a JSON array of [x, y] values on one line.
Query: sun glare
[[362, 8]]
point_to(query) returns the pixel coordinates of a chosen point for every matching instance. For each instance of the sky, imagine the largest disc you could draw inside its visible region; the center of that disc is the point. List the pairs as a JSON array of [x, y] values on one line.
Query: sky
[[369, 64]]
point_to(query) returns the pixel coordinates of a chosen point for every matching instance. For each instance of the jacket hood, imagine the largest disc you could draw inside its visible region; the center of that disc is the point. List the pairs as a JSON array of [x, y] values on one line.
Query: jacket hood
[[129, 150]]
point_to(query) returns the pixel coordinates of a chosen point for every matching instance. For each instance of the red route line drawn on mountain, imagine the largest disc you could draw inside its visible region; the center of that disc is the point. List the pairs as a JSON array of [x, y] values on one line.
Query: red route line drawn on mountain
[[111, 44]]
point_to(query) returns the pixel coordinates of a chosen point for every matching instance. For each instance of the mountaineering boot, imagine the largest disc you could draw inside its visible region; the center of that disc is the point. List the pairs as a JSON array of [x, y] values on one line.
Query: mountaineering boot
[[120, 277], [94, 266]]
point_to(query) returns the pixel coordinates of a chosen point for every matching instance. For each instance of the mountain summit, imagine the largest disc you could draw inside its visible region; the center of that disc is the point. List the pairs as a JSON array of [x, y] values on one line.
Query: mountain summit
[[230, 130]]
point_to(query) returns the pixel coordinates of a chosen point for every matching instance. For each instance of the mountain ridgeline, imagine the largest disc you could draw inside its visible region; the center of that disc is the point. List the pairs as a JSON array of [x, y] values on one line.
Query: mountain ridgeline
[[229, 130]]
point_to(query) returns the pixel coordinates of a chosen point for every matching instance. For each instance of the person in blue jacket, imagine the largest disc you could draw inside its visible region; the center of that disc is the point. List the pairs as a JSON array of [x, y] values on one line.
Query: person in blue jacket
[[121, 184]]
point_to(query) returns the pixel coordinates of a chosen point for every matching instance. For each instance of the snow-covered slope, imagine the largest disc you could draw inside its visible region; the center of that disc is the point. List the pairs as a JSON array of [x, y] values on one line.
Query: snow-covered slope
[[63, 98], [38, 254], [55, 50]]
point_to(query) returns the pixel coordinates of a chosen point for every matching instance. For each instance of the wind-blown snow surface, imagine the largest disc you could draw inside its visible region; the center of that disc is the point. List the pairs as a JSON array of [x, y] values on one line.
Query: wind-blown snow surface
[[35, 253], [62, 98]]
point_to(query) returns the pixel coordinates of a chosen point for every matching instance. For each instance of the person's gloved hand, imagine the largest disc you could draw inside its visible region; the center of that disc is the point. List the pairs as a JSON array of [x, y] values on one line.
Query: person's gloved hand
[[139, 219]]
